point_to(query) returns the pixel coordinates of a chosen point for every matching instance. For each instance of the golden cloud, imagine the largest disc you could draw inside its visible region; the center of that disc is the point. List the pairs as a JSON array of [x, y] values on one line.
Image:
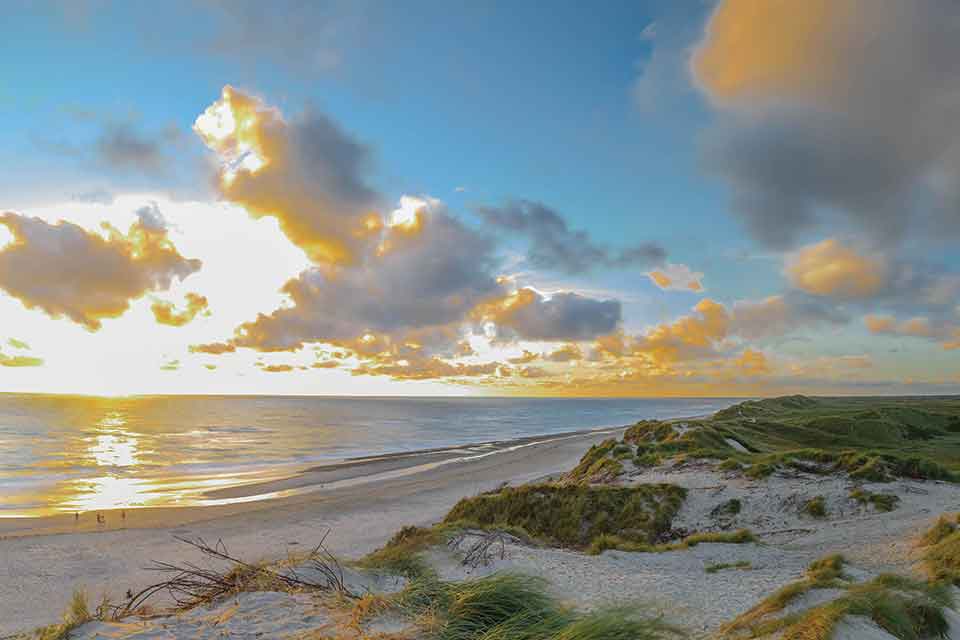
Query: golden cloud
[[65, 270], [307, 174], [166, 313], [754, 49], [829, 268]]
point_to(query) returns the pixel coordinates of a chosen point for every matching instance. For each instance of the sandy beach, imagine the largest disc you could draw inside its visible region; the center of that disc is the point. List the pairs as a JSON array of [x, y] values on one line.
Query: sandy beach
[[362, 503]]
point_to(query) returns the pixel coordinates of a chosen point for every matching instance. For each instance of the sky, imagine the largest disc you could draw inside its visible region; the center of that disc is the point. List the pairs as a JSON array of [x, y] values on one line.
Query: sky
[[728, 198]]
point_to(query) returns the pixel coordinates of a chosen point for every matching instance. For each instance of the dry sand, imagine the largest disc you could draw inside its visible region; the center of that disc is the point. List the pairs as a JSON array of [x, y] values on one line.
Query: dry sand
[[42, 560]]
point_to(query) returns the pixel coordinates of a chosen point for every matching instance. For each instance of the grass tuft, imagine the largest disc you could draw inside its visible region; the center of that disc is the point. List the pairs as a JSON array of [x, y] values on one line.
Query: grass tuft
[[574, 515], [742, 565], [816, 507]]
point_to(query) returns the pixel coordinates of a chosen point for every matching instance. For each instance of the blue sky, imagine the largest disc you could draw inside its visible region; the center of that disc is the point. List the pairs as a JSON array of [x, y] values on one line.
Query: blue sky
[[594, 113]]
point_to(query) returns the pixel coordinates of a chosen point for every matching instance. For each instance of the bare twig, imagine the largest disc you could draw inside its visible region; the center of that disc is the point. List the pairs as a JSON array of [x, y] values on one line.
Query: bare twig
[[486, 546], [191, 584]]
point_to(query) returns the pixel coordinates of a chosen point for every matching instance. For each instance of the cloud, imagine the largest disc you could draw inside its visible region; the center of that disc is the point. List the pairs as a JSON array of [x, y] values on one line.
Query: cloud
[[831, 269], [945, 332], [65, 270], [18, 344], [307, 173], [19, 361], [777, 316], [166, 313], [826, 124], [752, 363], [213, 348], [553, 245], [170, 365], [96, 196], [567, 353], [528, 314], [122, 147], [677, 277], [688, 338]]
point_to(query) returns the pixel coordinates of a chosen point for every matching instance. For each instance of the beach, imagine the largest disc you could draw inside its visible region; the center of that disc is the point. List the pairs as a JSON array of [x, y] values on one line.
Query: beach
[[361, 503]]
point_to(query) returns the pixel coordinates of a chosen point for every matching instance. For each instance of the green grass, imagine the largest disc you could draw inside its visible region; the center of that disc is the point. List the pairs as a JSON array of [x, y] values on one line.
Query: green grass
[[514, 607], [600, 464], [816, 507], [880, 501], [77, 613], [742, 565], [907, 609], [574, 515], [604, 542], [871, 439], [941, 555], [401, 554]]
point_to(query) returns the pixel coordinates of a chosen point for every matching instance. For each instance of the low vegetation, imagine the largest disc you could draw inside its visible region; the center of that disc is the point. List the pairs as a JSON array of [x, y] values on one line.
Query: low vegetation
[[816, 507], [941, 555], [742, 565], [514, 607], [600, 464], [575, 515], [77, 613], [880, 501], [604, 542], [905, 608], [727, 509]]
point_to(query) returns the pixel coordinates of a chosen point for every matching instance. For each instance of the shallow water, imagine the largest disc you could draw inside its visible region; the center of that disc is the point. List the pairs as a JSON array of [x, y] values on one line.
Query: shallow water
[[64, 454]]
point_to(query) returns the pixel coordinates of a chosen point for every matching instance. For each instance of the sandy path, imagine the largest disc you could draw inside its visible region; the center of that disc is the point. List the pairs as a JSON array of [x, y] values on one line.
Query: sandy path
[[39, 572]]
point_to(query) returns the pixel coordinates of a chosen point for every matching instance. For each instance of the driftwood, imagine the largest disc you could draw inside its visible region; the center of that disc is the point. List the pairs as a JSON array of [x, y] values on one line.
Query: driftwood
[[191, 584], [487, 546]]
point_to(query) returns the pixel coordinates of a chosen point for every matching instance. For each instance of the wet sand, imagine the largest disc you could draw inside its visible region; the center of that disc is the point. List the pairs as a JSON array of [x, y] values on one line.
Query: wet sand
[[362, 503]]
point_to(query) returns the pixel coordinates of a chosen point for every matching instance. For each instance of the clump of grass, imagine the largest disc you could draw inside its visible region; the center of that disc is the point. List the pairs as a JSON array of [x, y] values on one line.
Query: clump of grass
[[730, 464], [904, 608], [622, 451], [816, 507], [574, 515], [827, 572], [597, 465], [880, 501], [604, 542], [728, 508], [77, 613], [742, 565], [942, 554], [515, 607], [760, 470], [400, 556]]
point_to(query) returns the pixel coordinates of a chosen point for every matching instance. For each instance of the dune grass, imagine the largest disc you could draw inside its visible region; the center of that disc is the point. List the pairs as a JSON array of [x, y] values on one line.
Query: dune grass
[[907, 609], [574, 515], [941, 555], [514, 607], [816, 507], [881, 501], [742, 565], [77, 613], [604, 542]]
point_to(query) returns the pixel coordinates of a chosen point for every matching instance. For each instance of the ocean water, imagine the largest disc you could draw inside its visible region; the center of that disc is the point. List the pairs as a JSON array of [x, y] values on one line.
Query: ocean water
[[65, 454]]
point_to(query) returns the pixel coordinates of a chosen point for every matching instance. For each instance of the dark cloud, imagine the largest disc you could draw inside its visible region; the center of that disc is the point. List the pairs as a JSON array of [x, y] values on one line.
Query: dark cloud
[[554, 245], [66, 270], [306, 172], [427, 278], [843, 123], [122, 147], [531, 315]]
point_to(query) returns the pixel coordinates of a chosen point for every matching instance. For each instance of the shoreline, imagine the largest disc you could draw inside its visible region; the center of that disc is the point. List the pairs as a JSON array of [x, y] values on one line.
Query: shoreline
[[53, 555]]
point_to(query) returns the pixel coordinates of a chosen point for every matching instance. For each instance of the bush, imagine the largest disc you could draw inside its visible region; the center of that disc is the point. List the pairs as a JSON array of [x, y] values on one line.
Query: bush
[[573, 515]]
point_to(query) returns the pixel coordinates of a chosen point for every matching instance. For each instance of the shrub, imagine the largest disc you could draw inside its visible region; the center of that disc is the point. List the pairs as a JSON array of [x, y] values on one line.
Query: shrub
[[573, 515], [816, 507]]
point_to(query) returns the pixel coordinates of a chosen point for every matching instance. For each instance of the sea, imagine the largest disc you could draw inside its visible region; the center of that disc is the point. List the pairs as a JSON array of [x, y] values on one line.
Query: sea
[[76, 453]]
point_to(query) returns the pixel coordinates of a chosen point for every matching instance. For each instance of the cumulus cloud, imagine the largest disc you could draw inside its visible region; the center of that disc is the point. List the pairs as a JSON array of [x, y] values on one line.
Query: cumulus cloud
[[306, 172], [677, 277], [19, 359], [829, 268], [777, 316], [554, 245], [65, 270], [836, 112], [528, 314], [166, 312], [946, 333], [121, 146]]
